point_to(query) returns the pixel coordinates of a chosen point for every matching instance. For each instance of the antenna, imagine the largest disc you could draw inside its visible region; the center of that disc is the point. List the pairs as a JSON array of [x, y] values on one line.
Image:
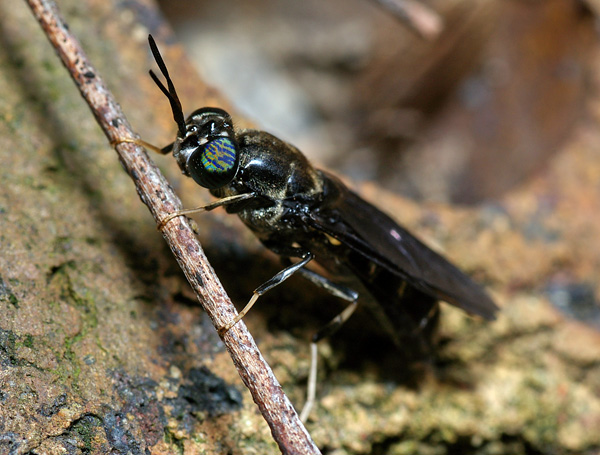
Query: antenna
[[170, 93]]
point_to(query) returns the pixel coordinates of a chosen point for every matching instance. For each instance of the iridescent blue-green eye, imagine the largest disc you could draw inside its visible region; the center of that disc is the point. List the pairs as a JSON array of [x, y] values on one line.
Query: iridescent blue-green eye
[[214, 164]]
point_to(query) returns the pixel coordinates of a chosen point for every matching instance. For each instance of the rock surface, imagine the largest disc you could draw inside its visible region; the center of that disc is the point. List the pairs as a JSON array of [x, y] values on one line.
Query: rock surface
[[104, 349]]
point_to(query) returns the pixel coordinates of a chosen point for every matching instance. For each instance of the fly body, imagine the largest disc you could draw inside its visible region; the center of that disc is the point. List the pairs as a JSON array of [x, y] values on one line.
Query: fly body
[[302, 212]]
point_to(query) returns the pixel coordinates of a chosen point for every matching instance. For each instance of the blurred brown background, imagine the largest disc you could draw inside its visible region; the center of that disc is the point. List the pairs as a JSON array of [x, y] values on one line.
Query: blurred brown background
[[462, 117]]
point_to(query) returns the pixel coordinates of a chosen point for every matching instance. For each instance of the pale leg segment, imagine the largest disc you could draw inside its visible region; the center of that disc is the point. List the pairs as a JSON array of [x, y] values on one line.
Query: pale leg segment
[[205, 208], [331, 327], [143, 143], [267, 286]]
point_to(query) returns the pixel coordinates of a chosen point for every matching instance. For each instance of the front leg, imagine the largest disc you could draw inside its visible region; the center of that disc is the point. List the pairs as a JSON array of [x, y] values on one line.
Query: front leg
[[163, 151], [206, 208]]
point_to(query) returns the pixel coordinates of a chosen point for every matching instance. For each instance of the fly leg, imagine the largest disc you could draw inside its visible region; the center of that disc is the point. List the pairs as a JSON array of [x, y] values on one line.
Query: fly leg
[[330, 328], [205, 208], [306, 257], [143, 143]]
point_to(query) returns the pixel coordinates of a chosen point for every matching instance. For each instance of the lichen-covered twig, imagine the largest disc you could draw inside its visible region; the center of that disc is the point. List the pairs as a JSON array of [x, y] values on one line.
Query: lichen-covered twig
[[156, 193]]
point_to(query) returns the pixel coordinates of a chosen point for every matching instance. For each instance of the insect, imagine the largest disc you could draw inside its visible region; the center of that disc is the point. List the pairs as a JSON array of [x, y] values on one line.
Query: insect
[[308, 214]]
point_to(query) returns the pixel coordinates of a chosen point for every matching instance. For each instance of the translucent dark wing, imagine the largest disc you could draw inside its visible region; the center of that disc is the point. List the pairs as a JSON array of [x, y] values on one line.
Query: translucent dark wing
[[362, 227]]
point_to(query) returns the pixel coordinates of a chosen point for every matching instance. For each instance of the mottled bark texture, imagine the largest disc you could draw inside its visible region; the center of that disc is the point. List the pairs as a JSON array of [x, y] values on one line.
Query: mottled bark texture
[[104, 348]]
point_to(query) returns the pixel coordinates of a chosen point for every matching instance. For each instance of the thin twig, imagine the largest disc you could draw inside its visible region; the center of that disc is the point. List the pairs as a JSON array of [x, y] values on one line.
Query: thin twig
[[155, 192], [419, 17]]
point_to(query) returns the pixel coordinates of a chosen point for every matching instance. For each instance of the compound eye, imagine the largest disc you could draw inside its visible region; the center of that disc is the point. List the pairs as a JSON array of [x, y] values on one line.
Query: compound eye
[[214, 164]]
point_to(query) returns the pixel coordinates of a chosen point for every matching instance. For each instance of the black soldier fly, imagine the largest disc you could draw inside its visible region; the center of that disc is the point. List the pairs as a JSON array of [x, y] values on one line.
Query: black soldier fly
[[301, 212]]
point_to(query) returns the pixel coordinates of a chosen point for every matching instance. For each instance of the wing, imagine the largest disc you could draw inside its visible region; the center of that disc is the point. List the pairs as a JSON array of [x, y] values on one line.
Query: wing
[[370, 232]]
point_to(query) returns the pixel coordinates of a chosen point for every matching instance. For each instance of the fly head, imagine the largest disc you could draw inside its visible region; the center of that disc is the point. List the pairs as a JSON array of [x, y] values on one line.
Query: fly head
[[208, 152], [205, 148]]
